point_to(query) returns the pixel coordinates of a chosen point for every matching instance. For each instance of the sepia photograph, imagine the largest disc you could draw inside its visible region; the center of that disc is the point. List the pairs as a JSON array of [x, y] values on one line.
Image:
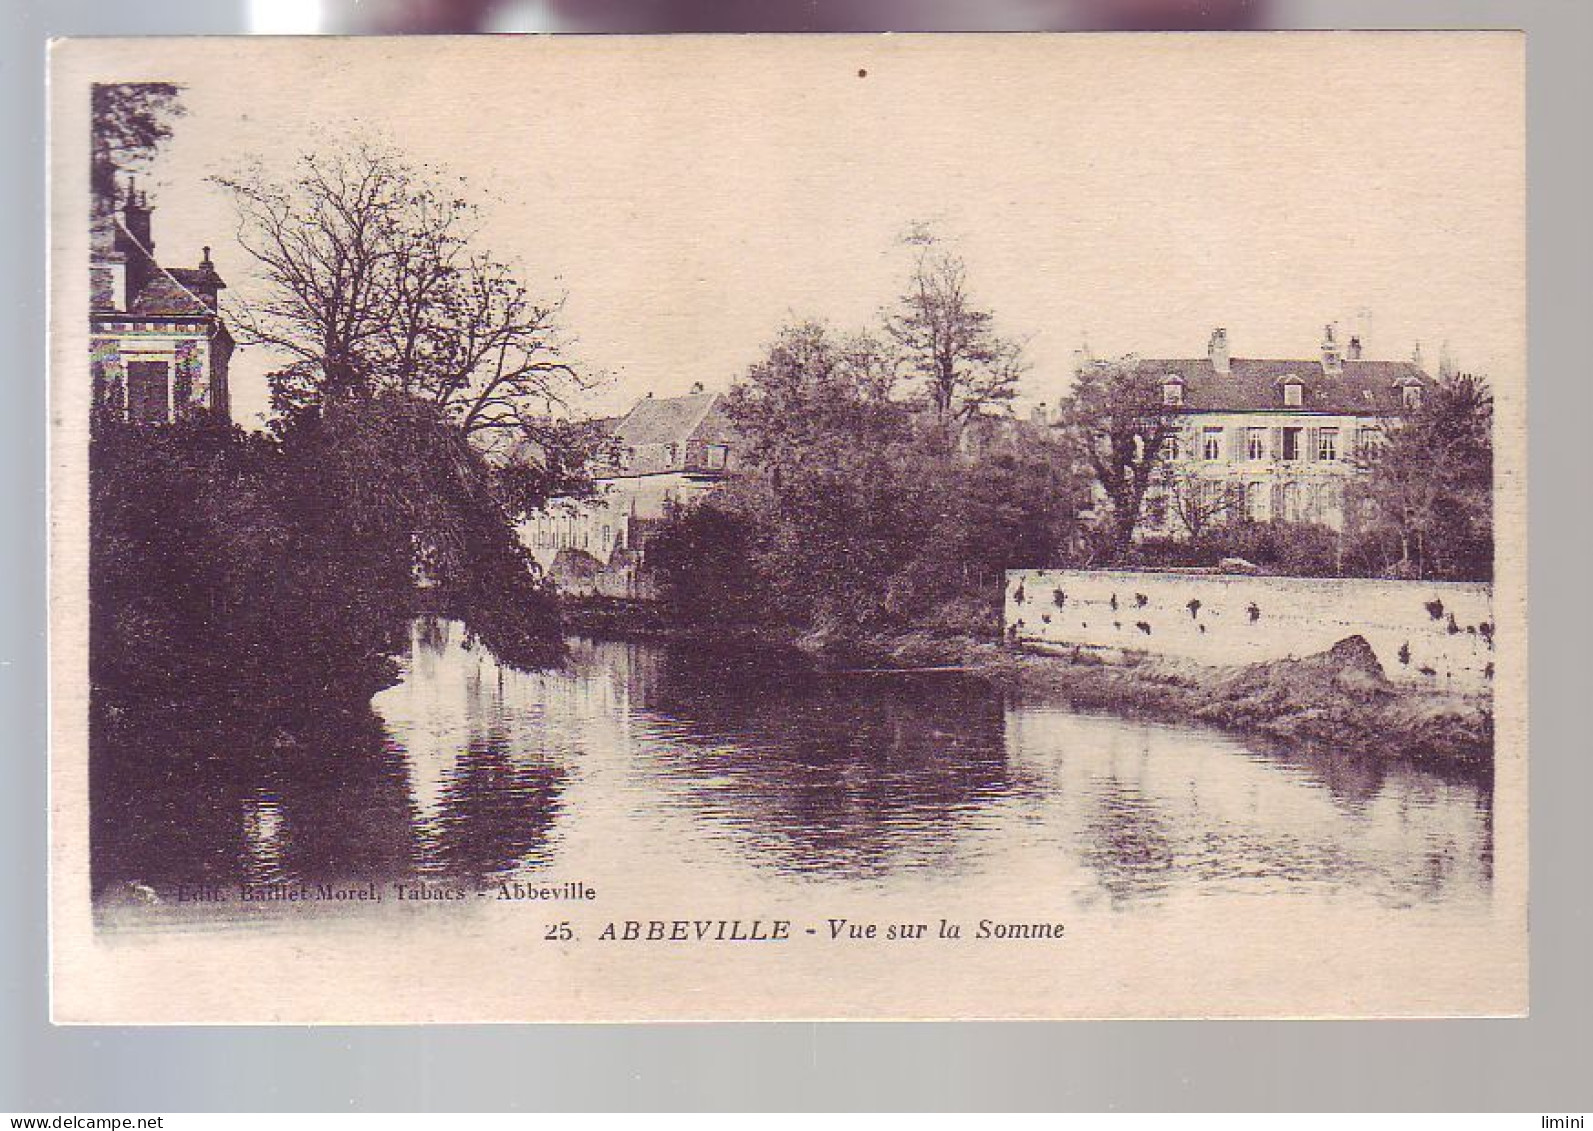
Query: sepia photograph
[[788, 527]]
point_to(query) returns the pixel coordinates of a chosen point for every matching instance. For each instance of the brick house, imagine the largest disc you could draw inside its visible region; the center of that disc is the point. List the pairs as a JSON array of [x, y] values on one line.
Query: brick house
[[158, 348]]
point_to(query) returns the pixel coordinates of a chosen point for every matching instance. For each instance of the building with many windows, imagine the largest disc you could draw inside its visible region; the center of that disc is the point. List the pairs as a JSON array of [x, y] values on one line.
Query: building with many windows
[[1267, 440], [668, 452], [158, 348]]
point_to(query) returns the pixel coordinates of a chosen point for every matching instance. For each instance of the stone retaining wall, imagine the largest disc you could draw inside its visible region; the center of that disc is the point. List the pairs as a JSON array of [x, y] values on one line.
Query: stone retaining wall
[[1435, 634]]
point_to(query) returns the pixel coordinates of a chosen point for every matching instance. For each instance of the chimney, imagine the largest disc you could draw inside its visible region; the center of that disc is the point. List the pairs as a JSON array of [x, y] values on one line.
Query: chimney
[[135, 216], [205, 282], [1217, 350], [1332, 361], [136, 241], [1354, 353], [1082, 357]]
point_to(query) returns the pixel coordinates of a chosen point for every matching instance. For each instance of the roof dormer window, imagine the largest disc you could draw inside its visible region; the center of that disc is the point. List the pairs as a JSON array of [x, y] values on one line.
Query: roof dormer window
[[1293, 391], [1173, 391], [1412, 396]]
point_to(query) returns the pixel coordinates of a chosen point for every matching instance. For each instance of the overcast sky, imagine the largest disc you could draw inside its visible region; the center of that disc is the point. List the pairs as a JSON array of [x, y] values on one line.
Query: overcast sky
[[691, 195]]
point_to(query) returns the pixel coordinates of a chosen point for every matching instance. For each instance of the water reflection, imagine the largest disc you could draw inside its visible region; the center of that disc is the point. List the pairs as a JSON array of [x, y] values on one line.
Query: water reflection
[[840, 774], [485, 764], [1155, 809], [735, 770], [245, 798]]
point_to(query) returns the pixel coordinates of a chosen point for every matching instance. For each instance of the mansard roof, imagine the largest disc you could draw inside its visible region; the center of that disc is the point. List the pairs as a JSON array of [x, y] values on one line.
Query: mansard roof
[[1253, 384]]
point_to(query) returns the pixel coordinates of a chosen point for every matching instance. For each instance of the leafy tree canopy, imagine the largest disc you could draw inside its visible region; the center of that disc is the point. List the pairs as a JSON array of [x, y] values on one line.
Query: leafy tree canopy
[[129, 122]]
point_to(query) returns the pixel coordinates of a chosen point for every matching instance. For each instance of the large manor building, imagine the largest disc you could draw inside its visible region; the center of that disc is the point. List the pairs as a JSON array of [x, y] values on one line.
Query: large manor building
[[1269, 440], [158, 349]]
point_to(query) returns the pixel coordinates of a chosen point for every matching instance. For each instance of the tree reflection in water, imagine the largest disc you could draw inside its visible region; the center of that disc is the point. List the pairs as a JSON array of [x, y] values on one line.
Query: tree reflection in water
[[222, 797], [756, 768], [847, 774], [497, 815], [486, 780]]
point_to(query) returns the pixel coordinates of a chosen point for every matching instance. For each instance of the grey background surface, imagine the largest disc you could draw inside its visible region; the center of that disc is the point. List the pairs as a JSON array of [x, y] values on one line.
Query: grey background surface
[[1539, 1064]]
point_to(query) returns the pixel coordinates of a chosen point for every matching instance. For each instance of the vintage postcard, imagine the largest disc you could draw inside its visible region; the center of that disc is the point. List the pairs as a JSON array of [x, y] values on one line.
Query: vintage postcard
[[900, 527]]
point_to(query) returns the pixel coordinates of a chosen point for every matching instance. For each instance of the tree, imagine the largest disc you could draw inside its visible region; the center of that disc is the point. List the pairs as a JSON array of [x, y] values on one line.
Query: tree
[[1118, 428], [852, 515], [1198, 504], [705, 562], [813, 390], [372, 282], [1429, 483], [946, 342], [1010, 508], [129, 122], [228, 564], [824, 478]]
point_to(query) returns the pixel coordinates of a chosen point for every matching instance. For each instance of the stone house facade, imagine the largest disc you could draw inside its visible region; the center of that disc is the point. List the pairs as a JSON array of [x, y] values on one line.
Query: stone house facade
[[1272, 440], [669, 452]]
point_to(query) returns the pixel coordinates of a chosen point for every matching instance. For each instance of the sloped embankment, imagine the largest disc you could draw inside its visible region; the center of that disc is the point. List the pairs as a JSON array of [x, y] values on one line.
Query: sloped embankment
[[1339, 697]]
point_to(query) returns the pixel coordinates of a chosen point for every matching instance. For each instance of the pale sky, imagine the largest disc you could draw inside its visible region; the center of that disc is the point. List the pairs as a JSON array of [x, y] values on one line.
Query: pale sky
[[690, 195]]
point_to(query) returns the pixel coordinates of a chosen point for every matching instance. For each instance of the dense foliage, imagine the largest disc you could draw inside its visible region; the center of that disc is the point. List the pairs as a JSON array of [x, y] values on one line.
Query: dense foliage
[[1428, 495], [856, 512], [128, 122], [225, 563], [1116, 426]]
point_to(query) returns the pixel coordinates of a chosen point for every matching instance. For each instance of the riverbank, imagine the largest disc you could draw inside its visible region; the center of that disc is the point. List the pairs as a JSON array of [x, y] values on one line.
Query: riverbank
[[1337, 699]]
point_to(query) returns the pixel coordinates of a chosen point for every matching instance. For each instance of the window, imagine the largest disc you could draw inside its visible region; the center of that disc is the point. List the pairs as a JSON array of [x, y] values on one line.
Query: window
[[1255, 502], [1255, 443], [1412, 395], [1211, 443], [608, 535], [1291, 502], [1327, 443], [1291, 443], [1173, 393], [1291, 394], [1365, 439], [147, 382], [1171, 449], [715, 456], [1330, 505]]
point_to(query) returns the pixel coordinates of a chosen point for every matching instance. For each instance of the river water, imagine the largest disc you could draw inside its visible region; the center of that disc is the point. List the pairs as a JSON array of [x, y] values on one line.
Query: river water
[[725, 774]]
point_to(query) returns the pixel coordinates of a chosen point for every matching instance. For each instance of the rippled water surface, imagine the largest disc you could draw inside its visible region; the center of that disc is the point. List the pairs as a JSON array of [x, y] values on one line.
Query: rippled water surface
[[717, 771]]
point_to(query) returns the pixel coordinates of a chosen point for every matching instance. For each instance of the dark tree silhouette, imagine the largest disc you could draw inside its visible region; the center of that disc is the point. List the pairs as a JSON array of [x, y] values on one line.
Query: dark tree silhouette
[[1429, 487], [129, 122], [1117, 426]]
